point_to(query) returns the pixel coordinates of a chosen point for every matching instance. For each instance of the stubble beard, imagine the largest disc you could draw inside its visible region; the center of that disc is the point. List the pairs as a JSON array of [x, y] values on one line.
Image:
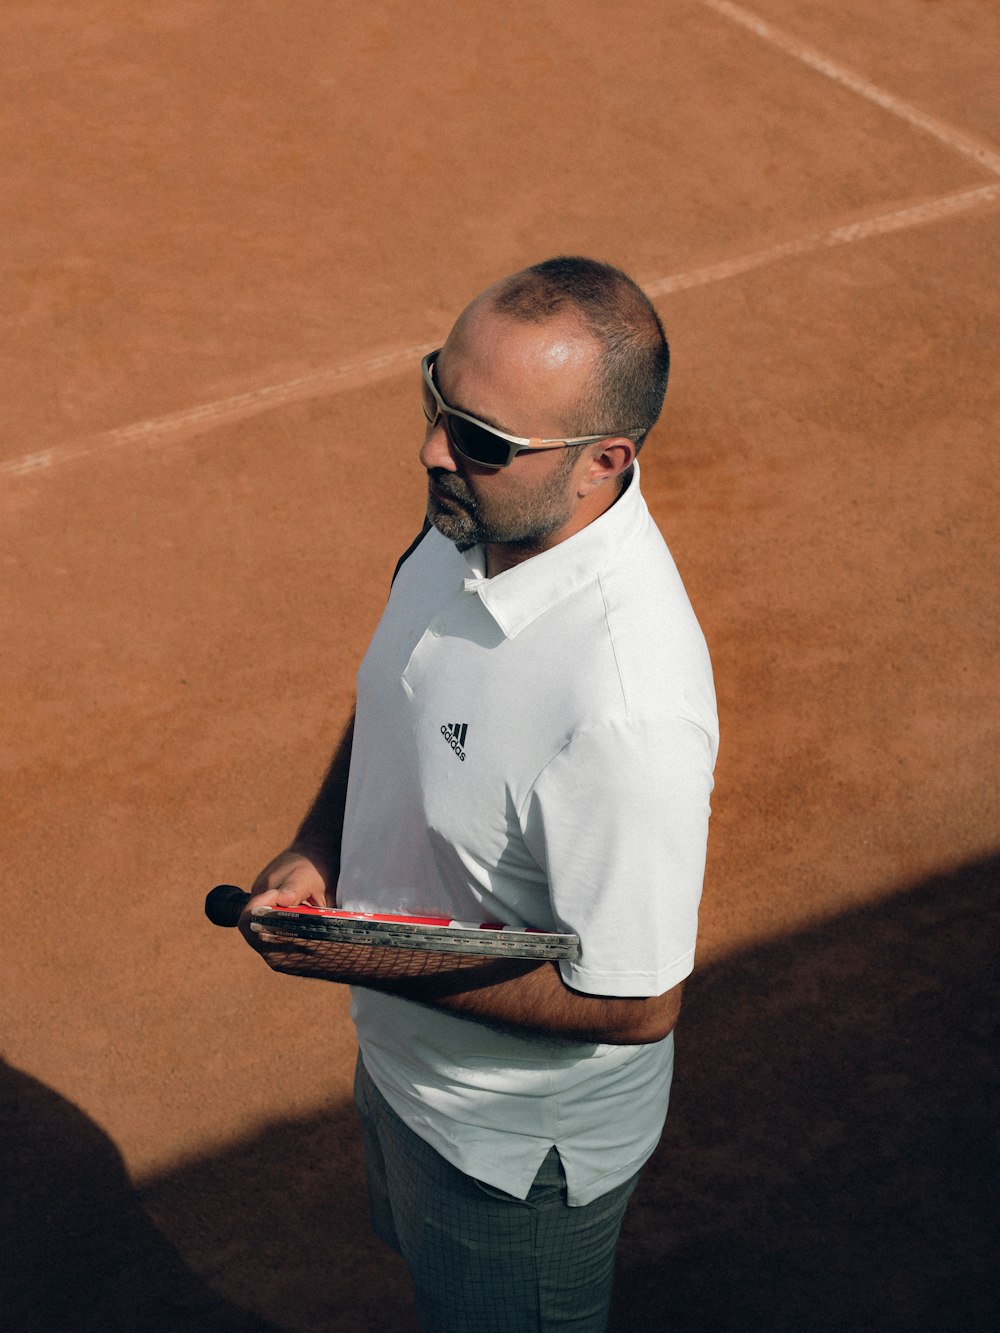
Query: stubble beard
[[523, 522]]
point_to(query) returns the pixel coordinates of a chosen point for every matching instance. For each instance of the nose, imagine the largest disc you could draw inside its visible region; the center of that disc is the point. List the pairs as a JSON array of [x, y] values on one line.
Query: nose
[[436, 450]]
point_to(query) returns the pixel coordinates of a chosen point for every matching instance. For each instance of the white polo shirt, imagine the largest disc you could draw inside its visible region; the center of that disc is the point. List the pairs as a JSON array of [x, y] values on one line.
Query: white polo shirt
[[535, 748]]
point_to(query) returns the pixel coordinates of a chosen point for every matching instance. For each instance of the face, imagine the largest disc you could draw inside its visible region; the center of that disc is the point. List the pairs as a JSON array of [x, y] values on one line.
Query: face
[[525, 379], [522, 515]]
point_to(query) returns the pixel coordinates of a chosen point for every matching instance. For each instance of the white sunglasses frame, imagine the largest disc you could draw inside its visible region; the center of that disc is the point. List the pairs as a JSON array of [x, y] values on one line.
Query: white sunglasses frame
[[517, 444]]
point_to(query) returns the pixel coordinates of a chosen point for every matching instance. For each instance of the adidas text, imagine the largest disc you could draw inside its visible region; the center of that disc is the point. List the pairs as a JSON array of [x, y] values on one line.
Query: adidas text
[[454, 734]]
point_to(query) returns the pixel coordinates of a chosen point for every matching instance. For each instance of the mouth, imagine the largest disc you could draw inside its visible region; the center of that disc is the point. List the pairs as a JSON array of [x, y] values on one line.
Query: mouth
[[441, 496]]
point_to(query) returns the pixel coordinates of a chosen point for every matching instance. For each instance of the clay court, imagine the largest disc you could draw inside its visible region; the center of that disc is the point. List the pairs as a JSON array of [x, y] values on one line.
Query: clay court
[[230, 231]]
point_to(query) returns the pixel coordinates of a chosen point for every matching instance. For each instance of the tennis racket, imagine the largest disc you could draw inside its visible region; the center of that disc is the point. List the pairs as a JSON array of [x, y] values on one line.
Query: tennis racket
[[433, 934]]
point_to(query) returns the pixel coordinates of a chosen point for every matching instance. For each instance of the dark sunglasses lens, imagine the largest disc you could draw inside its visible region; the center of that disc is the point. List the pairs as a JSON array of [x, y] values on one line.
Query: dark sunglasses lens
[[472, 441], [482, 446]]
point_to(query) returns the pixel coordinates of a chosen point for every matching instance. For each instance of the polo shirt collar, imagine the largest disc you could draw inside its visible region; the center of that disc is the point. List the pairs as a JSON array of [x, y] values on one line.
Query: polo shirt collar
[[518, 595]]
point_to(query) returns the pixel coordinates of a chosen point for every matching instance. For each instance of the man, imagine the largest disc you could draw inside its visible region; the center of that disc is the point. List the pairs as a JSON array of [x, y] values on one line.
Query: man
[[534, 740]]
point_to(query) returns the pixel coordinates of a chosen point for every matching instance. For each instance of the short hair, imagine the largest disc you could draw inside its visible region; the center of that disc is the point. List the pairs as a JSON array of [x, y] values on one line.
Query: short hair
[[634, 358]]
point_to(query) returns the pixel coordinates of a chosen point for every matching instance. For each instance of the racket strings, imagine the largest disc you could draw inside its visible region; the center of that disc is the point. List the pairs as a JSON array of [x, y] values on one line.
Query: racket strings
[[356, 964]]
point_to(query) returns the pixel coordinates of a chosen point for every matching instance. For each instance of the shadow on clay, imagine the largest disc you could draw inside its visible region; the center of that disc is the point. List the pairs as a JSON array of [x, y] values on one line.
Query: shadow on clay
[[829, 1164], [80, 1254]]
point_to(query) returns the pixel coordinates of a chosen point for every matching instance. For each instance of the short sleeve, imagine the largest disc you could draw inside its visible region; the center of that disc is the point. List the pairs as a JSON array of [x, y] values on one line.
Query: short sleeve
[[618, 820]]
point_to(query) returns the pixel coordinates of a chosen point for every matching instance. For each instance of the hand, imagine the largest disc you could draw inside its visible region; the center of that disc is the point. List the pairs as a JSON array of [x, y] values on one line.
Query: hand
[[294, 876]]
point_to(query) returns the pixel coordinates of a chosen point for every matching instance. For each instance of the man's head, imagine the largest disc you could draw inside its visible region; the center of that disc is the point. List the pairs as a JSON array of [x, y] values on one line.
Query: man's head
[[567, 349], [633, 358]]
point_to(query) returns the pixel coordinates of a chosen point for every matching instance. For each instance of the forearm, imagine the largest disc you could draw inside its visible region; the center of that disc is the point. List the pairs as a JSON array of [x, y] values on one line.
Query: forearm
[[515, 995], [539, 1003]]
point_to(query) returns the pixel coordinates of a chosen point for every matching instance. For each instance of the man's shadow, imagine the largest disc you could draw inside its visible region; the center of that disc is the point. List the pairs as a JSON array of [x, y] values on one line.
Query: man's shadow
[[79, 1253], [830, 1160], [830, 1165]]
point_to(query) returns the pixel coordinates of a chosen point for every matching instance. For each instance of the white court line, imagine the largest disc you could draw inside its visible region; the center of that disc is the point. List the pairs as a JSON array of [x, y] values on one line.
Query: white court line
[[985, 154], [920, 215], [194, 420]]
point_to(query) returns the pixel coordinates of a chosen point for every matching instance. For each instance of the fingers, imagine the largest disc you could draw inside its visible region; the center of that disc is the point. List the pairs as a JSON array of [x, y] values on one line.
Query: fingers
[[292, 878], [268, 898]]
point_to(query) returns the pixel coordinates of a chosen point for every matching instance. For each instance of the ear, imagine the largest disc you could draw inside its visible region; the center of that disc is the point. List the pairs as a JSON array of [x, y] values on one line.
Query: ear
[[608, 461]]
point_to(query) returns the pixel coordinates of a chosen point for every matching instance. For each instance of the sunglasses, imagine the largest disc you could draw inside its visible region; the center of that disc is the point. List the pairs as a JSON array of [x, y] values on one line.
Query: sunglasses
[[484, 444]]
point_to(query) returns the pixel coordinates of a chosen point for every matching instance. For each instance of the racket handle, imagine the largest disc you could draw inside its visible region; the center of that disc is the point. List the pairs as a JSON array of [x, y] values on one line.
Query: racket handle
[[224, 904]]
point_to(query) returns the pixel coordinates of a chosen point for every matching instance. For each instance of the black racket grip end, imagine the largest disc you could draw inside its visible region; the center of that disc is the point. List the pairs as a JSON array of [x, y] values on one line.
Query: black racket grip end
[[224, 904]]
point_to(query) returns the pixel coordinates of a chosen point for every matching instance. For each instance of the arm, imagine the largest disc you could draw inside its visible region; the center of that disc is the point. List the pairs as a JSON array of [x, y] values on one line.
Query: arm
[[539, 1002], [516, 995], [520, 996], [309, 866]]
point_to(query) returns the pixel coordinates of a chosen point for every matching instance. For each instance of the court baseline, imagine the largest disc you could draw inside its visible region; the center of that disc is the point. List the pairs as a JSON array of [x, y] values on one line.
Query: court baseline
[[205, 416], [354, 374]]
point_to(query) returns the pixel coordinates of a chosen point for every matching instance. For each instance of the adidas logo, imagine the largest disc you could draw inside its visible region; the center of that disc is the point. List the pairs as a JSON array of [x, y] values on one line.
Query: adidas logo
[[454, 734]]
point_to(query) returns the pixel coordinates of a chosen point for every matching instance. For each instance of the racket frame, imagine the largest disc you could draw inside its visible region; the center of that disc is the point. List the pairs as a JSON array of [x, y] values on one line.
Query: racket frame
[[434, 934]]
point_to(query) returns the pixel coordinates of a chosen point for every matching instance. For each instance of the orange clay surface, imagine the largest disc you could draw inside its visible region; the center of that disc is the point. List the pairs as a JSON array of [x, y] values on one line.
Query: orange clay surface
[[228, 233]]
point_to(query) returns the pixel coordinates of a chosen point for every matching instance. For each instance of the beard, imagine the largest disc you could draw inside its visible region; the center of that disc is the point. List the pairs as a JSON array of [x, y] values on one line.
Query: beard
[[522, 520]]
